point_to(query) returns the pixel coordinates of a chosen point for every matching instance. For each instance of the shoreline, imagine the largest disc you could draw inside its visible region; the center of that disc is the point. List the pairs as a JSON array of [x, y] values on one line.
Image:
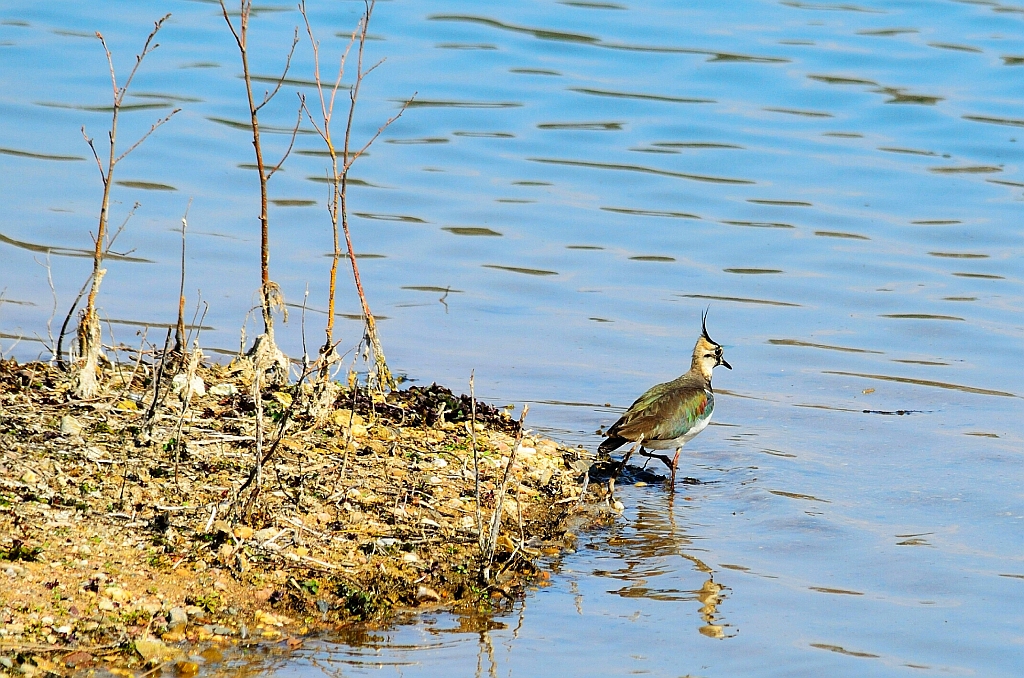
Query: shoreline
[[130, 546]]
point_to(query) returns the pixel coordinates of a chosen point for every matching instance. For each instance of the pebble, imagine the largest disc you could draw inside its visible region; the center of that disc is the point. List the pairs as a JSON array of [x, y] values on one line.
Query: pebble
[[117, 594], [106, 604], [6, 662], [187, 668], [29, 478], [69, 426], [196, 384], [265, 534], [176, 616], [151, 608], [222, 390], [425, 593], [76, 659]]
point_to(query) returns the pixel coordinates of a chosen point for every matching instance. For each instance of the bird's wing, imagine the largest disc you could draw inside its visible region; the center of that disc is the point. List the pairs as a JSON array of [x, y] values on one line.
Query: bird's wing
[[665, 412]]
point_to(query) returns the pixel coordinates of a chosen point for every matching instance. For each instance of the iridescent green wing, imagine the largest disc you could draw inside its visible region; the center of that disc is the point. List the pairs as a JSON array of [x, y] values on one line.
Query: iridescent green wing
[[666, 411]]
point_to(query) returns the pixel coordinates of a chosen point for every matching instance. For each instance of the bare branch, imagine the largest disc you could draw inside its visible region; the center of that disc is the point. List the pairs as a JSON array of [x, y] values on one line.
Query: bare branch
[[372, 68], [302, 105], [224, 11], [120, 228], [291, 144], [146, 49], [383, 127], [267, 96], [99, 163], [110, 62], [152, 129]]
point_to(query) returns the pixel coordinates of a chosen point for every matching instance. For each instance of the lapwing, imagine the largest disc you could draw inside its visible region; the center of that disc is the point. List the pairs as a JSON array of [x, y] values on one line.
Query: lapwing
[[669, 415]]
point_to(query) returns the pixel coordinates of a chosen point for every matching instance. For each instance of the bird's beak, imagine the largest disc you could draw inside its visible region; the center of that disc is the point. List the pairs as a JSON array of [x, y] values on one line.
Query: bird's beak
[[721, 361]]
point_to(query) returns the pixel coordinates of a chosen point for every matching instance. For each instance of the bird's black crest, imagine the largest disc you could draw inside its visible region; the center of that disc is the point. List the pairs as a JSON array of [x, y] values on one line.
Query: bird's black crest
[[704, 326]]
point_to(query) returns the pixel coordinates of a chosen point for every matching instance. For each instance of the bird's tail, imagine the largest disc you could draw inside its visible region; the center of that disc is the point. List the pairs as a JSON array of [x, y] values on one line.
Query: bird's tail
[[611, 444]]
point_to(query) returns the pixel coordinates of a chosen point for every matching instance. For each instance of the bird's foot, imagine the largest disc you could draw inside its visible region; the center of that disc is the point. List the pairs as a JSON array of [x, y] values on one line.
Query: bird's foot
[[691, 481]]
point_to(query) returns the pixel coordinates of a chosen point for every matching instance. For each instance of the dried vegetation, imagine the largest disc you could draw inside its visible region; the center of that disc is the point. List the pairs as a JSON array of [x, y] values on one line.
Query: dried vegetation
[[123, 523]]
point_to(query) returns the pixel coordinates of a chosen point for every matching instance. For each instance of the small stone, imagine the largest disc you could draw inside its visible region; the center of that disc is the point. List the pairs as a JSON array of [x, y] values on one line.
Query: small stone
[[265, 534], [222, 631], [244, 532], [427, 594], [106, 604], [220, 586], [117, 594], [11, 572], [411, 557], [6, 662], [341, 418], [151, 608], [69, 426], [212, 655], [187, 668], [243, 632], [77, 659], [153, 650], [223, 390], [196, 385], [46, 620], [29, 478], [63, 630], [176, 616]]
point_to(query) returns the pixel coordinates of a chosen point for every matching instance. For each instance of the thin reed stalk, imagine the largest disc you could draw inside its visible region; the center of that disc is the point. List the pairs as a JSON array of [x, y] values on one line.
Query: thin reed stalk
[[89, 336], [264, 350], [337, 204]]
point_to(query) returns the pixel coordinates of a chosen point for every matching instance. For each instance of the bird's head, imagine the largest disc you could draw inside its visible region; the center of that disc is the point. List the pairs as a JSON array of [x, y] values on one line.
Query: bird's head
[[707, 355]]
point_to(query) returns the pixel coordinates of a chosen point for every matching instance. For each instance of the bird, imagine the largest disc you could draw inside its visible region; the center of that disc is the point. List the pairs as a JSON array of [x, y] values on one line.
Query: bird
[[669, 415]]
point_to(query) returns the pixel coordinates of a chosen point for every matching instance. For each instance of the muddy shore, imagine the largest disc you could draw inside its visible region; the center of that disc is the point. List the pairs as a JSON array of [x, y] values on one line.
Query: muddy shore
[[129, 539]]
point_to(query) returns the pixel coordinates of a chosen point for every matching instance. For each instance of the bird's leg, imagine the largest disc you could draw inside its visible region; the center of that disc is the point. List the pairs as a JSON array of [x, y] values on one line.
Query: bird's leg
[[664, 459], [675, 463]]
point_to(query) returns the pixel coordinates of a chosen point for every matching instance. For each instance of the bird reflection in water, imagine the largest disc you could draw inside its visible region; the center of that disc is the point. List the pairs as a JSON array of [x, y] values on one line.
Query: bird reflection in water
[[647, 546]]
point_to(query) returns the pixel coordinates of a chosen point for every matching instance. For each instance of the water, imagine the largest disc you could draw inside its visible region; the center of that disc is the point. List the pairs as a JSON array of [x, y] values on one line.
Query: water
[[841, 183]]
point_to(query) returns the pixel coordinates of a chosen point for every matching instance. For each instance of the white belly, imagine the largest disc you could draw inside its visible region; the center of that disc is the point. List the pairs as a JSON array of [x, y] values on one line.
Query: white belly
[[680, 441]]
